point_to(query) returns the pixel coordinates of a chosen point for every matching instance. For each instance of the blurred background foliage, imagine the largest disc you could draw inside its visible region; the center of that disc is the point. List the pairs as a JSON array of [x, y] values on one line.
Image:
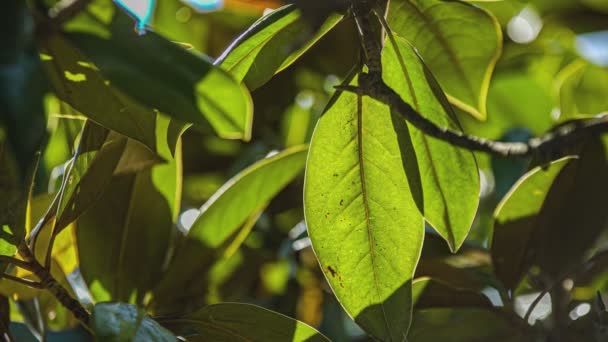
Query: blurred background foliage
[[554, 67]]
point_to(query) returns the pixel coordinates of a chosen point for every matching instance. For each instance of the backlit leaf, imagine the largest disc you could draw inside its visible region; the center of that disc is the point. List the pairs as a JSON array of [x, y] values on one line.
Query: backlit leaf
[[458, 41]]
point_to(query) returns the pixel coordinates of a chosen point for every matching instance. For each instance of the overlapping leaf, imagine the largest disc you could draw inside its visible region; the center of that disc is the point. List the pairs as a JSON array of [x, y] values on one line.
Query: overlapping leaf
[[458, 41], [515, 222], [231, 321], [230, 208], [449, 175], [267, 47], [163, 75], [130, 225]]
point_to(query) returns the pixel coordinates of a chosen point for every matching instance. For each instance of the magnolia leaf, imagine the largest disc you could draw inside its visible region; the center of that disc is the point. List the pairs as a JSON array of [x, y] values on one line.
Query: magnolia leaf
[[458, 41]]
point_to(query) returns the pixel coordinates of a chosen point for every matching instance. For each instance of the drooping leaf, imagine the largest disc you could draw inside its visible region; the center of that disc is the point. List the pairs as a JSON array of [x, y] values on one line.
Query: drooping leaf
[[119, 322], [267, 47], [232, 321], [467, 325], [130, 226], [450, 179], [362, 198], [240, 199], [515, 221], [458, 41], [582, 90], [163, 75]]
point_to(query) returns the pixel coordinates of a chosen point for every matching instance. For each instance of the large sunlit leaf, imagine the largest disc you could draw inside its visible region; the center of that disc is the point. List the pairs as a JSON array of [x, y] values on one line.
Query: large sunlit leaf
[[516, 220], [450, 179], [231, 321], [130, 226], [238, 201], [163, 75], [267, 47], [458, 41], [119, 322], [360, 195]]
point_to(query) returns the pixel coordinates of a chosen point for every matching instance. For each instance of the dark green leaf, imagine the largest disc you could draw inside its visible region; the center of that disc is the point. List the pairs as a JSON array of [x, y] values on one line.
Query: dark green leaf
[[516, 221], [130, 226], [460, 43], [163, 75], [267, 47], [573, 214], [231, 321], [119, 322], [77, 81], [466, 325], [430, 293]]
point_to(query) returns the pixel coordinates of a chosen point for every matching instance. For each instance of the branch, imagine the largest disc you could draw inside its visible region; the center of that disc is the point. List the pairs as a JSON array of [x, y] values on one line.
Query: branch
[[49, 283], [371, 84]]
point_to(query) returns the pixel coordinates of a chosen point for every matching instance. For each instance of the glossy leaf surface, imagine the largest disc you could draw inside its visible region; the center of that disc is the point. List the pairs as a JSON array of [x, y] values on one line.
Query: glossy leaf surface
[[267, 47]]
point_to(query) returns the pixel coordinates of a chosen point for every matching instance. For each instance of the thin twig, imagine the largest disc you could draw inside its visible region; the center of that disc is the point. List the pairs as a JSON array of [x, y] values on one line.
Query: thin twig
[[547, 147], [23, 281], [19, 263], [49, 283]]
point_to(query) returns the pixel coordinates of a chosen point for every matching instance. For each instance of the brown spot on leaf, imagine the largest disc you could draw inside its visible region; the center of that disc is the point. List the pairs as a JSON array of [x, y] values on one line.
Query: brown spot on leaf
[[331, 271]]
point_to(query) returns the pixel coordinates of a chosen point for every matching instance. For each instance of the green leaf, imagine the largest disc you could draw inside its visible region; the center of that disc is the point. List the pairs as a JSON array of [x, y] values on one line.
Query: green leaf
[[582, 90], [243, 197], [129, 226], [360, 195], [573, 215], [77, 81], [515, 221], [266, 48], [163, 75], [465, 325], [459, 42], [450, 179], [118, 322], [431, 293], [100, 155], [232, 321]]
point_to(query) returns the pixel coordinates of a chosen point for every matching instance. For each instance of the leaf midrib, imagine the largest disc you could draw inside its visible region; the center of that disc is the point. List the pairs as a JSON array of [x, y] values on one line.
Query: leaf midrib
[[370, 237]]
